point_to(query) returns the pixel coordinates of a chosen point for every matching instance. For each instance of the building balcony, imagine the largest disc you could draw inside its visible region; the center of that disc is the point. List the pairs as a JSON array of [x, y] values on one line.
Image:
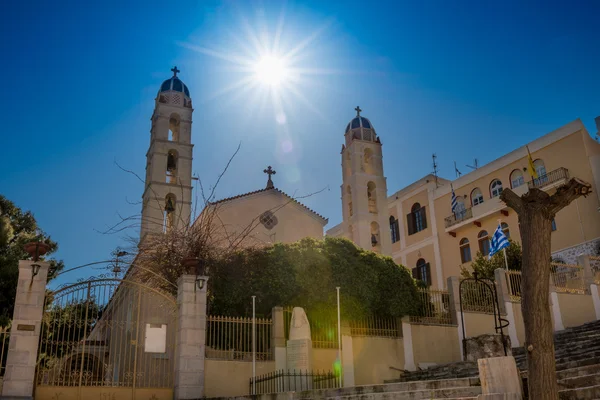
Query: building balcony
[[550, 180], [474, 215]]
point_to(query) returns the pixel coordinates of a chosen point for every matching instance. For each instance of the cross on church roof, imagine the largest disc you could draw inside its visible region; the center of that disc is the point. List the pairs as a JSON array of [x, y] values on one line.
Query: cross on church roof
[[270, 171], [358, 110], [175, 70]]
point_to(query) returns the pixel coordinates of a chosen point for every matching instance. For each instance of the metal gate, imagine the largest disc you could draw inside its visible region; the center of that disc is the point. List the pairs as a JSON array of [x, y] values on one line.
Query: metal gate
[[107, 339]]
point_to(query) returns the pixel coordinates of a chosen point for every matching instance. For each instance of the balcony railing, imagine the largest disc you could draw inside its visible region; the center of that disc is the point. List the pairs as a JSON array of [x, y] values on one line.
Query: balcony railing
[[458, 217], [549, 178]]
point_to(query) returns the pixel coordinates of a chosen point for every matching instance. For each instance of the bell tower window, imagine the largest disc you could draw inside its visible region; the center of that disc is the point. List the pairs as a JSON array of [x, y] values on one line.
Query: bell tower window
[[372, 197], [173, 128], [172, 166], [349, 192], [368, 162], [169, 213], [375, 242]]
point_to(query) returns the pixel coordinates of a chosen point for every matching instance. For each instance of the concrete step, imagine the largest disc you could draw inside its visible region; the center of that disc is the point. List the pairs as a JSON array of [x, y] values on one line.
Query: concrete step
[[585, 393], [397, 387], [579, 381], [451, 393], [579, 371]]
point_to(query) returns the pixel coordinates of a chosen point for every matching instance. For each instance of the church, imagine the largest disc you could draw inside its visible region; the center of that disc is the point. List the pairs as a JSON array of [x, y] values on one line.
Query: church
[[414, 225]]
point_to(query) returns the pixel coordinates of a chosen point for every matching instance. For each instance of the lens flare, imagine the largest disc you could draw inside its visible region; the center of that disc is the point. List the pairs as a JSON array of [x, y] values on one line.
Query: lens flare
[[270, 70]]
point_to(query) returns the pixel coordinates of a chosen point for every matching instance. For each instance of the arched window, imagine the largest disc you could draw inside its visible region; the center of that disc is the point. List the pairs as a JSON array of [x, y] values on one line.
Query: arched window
[[394, 229], [476, 197], [422, 272], [349, 198], [540, 169], [172, 166], [484, 243], [174, 128], [495, 188], [505, 229], [417, 219], [368, 161], [169, 212], [372, 196], [375, 234], [465, 250], [516, 178]]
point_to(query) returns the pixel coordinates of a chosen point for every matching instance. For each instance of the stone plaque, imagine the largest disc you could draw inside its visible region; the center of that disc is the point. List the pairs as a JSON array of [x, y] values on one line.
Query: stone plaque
[[26, 327], [299, 355]]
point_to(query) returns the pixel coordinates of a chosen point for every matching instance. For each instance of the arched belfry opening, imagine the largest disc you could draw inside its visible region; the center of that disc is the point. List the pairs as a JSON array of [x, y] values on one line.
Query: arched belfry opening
[[169, 212], [172, 158], [174, 122], [372, 197]]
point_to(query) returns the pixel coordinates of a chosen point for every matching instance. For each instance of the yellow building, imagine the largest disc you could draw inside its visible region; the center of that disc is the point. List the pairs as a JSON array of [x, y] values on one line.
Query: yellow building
[[434, 242]]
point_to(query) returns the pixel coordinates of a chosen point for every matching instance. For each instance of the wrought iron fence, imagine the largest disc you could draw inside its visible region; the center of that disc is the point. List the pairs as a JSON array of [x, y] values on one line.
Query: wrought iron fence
[[434, 307], [513, 281], [567, 278], [4, 339], [549, 178], [293, 381], [595, 265], [476, 297], [375, 326], [230, 338], [323, 330], [458, 217]]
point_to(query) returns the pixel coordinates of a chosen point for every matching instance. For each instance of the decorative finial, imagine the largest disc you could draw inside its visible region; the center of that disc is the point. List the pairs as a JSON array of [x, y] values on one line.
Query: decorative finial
[[175, 70], [358, 110], [270, 171]]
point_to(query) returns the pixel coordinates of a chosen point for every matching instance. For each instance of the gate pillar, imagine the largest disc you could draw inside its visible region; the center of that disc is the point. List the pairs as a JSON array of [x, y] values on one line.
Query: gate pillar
[[191, 337], [25, 330]]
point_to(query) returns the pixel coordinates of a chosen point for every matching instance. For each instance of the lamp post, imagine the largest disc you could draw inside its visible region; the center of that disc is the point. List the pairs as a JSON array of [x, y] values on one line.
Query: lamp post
[[253, 344], [339, 323]]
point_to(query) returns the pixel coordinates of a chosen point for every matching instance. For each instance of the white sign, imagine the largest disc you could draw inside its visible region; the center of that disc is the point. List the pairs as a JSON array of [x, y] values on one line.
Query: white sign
[[156, 338]]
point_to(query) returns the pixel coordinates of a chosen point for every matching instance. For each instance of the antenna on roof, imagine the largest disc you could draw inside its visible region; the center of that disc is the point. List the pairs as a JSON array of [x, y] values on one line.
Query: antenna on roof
[[458, 173], [475, 163], [435, 169]]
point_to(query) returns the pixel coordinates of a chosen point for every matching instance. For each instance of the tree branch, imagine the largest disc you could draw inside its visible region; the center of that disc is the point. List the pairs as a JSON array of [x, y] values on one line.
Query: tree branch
[[511, 199], [566, 193]]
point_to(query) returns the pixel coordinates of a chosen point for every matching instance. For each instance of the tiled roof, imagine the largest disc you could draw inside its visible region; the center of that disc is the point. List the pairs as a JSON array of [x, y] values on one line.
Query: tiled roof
[[266, 190]]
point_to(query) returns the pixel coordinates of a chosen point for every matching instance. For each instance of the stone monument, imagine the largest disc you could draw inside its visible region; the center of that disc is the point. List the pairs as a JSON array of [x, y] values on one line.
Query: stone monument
[[299, 346]]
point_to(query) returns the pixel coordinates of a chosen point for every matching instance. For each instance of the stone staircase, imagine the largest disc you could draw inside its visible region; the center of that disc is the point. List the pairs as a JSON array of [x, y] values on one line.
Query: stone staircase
[[577, 364]]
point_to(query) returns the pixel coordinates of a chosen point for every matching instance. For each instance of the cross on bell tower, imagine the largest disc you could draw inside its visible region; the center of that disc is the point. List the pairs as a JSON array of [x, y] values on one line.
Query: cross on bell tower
[[175, 70], [270, 171], [358, 110]]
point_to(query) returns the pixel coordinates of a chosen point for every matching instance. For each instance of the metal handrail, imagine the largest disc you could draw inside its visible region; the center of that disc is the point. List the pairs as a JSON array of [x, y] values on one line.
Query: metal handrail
[[458, 217], [549, 178]]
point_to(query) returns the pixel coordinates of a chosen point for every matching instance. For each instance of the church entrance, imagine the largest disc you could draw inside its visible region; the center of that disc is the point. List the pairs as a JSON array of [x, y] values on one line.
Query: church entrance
[[107, 339]]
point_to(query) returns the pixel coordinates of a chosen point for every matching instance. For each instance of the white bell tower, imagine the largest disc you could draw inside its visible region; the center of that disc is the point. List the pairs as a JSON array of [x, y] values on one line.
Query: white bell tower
[[364, 189], [167, 194]]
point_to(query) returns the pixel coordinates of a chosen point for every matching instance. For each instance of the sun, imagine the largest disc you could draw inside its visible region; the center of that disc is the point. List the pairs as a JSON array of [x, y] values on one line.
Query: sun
[[271, 70]]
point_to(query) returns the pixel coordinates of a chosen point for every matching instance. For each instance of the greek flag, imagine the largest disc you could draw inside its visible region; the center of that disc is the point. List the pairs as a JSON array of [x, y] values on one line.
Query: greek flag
[[454, 201], [499, 241]]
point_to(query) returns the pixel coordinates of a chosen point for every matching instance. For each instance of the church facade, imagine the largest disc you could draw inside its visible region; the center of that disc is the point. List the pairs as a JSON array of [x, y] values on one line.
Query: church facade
[[415, 225]]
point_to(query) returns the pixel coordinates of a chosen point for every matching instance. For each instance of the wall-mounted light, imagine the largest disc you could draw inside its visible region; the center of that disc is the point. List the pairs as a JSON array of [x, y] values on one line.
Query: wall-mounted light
[[200, 282], [35, 268]]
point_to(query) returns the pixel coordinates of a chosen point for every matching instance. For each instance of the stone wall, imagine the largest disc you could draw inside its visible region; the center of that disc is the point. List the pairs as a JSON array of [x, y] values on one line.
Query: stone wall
[[569, 255]]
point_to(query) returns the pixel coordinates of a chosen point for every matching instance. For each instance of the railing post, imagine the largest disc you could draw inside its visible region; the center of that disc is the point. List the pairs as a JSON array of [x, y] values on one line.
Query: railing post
[[191, 337], [588, 275], [454, 294], [278, 346], [25, 330], [409, 355], [347, 355], [506, 305]]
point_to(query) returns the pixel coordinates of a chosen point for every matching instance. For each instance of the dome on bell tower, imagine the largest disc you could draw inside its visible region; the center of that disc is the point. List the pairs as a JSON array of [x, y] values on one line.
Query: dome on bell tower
[[174, 91], [360, 128]]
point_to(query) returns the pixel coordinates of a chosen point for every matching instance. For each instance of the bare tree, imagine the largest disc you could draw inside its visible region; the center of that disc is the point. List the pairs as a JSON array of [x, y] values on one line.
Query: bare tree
[[536, 210]]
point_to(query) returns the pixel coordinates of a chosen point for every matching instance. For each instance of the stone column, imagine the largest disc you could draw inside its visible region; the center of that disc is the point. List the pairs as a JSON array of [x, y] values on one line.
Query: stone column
[[454, 294], [506, 306], [555, 308], [409, 354], [347, 356], [191, 335], [25, 331], [588, 276], [278, 347]]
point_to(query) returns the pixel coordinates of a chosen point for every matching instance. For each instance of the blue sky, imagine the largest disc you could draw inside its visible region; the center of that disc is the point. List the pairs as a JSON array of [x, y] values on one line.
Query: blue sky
[[463, 80]]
